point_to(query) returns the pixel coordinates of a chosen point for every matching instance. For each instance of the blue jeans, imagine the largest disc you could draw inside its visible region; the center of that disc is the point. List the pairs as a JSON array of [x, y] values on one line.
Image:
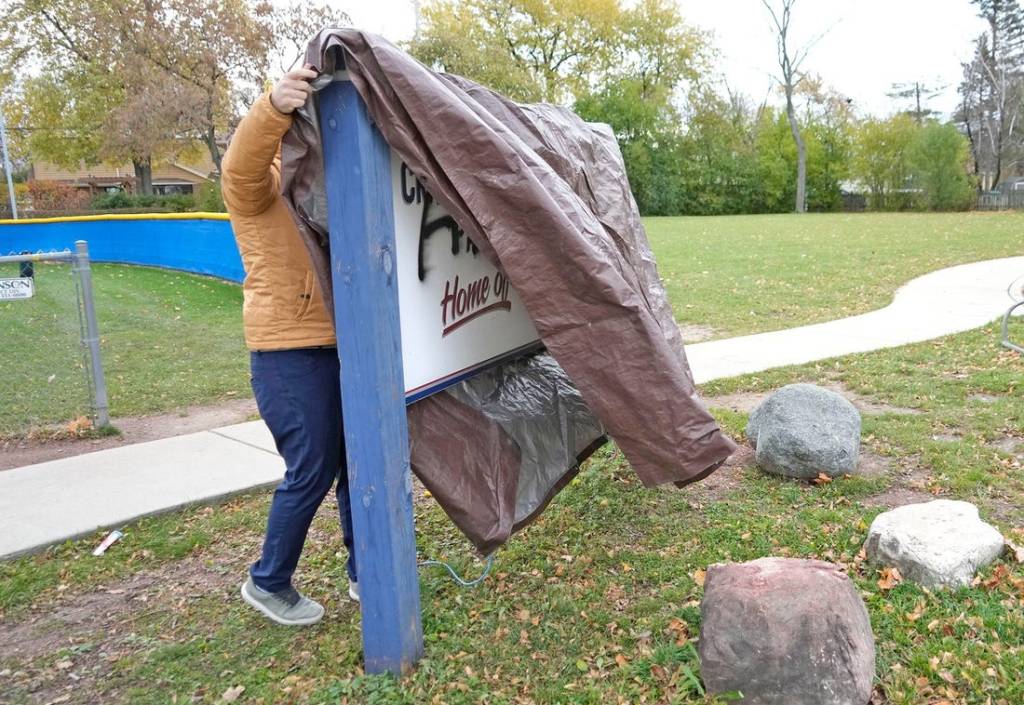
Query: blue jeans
[[298, 395]]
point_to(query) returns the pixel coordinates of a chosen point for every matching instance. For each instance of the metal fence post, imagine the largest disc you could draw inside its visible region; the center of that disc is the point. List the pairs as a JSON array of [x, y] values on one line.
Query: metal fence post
[[7, 163], [360, 214], [92, 334]]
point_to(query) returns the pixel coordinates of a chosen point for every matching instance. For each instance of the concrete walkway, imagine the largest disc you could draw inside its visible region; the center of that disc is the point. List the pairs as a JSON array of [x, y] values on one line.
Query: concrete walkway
[[50, 502], [941, 303]]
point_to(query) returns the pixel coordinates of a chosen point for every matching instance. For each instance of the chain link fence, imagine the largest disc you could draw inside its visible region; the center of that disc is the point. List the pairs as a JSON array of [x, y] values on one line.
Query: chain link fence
[[50, 360]]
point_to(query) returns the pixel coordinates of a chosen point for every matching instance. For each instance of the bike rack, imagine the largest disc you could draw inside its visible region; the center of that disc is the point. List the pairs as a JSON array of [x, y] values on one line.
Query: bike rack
[[1005, 341]]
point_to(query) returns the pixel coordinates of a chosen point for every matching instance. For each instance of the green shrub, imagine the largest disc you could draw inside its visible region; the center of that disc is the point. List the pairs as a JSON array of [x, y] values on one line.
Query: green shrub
[[110, 201], [178, 203], [209, 198]]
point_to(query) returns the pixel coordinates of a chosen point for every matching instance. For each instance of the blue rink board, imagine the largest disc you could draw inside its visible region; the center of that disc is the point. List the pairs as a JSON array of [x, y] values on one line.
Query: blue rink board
[[197, 245]]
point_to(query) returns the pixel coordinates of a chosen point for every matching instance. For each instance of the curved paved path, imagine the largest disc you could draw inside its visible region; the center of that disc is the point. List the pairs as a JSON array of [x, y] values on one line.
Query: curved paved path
[[49, 502], [940, 303]]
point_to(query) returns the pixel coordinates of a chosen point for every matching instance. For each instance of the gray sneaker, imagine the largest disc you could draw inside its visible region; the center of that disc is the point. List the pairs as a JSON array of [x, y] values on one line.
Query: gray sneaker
[[287, 607]]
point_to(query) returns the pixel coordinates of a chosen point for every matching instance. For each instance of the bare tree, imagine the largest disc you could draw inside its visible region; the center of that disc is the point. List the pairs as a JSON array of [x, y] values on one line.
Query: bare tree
[[992, 91], [790, 78]]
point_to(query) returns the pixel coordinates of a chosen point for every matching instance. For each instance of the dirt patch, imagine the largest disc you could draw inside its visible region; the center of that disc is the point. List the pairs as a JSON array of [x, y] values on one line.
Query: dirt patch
[[61, 652], [911, 481], [983, 398], [866, 405], [693, 333], [723, 481], [1009, 445], [134, 429], [743, 402], [79, 615], [897, 497], [873, 465], [748, 401]]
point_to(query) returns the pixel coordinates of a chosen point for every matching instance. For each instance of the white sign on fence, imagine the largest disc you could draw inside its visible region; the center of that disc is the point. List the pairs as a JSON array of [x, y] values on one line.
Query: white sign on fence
[[20, 288], [458, 312]]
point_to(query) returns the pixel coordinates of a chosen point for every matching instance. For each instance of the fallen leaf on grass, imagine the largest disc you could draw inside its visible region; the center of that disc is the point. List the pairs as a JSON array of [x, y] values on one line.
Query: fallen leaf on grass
[[82, 423], [1016, 552], [822, 479], [917, 613], [680, 630], [890, 578], [699, 576], [621, 660], [232, 694], [999, 575]]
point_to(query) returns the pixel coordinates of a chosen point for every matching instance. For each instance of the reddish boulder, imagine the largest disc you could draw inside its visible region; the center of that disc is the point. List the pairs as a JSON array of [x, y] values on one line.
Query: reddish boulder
[[786, 632]]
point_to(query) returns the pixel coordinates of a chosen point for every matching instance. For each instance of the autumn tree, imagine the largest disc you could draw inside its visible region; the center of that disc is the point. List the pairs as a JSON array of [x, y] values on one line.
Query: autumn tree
[[218, 47], [153, 121], [92, 101], [881, 161], [655, 59], [531, 50], [210, 54], [624, 64]]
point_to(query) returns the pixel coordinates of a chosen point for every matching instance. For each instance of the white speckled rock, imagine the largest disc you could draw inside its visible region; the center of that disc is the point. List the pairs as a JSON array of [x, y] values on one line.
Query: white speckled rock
[[935, 544]]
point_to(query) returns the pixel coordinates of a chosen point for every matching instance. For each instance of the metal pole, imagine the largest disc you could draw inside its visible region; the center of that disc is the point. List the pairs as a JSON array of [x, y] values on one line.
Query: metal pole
[[1006, 329], [92, 339], [7, 163]]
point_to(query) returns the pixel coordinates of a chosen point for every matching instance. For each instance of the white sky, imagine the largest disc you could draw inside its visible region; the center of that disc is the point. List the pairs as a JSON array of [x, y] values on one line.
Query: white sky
[[867, 45]]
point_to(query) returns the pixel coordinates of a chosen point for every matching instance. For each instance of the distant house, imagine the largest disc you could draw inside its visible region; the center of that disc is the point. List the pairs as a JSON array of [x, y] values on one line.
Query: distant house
[[168, 179], [1014, 183]]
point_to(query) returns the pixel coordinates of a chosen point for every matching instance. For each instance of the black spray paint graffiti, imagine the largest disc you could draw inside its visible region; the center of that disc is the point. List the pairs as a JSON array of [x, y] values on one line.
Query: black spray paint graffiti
[[415, 193]]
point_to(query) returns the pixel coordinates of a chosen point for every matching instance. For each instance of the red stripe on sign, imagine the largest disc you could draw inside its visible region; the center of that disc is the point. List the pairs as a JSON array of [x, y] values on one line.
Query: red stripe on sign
[[504, 305]]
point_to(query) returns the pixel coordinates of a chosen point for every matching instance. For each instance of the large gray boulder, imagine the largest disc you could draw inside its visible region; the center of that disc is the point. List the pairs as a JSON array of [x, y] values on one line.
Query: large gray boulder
[[803, 431], [785, 631], [936, 544]]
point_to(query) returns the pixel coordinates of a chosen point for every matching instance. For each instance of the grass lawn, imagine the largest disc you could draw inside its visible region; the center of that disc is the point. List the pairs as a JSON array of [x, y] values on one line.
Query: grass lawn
[[172, 339], [168, 340], [751, 274], [596, 603]]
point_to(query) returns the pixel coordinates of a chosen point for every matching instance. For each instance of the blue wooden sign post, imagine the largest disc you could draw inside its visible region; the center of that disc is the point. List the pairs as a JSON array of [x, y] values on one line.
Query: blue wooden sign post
[[357, 170]]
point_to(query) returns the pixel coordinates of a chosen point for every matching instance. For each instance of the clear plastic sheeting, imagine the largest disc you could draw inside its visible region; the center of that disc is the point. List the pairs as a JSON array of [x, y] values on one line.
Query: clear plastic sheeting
[[537, 406]]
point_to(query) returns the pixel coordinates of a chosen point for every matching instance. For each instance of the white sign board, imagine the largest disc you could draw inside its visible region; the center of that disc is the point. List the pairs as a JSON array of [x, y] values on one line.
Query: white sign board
[[20, 288], [458, 312]]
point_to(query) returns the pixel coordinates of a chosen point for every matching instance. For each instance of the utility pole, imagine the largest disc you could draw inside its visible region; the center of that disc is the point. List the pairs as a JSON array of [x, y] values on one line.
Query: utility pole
[[7, 162]]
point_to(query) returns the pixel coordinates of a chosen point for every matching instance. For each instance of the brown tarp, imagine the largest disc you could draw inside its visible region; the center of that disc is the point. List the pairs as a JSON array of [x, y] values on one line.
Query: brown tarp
[[545, 197]]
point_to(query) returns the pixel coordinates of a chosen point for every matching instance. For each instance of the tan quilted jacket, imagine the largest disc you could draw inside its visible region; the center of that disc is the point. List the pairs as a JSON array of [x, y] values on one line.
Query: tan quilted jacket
[[283, 306]]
